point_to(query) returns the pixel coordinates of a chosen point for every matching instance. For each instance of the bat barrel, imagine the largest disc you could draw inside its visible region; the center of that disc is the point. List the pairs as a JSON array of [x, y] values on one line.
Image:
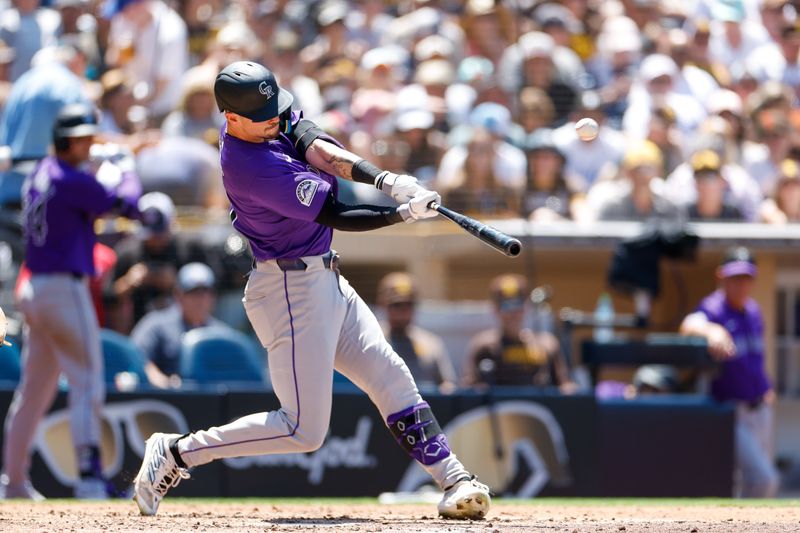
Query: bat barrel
[[496, 239]]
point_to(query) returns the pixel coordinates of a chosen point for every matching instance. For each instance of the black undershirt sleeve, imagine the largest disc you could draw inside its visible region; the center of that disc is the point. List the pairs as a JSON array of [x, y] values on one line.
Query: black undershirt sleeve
[[344, 217]]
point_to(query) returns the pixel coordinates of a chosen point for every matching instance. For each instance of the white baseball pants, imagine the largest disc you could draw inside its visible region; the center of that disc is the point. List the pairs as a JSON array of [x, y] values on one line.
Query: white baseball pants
[[754, 444], [61, 335], [311, 322]]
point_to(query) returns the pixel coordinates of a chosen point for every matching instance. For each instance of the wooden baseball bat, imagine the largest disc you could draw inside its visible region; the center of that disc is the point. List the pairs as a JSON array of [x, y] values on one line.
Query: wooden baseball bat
[[496, 239]]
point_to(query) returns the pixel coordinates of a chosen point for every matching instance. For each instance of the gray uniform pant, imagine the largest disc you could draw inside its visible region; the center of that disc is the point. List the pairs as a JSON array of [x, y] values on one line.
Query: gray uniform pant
[[61, 335], [758, 477], [311, 322]]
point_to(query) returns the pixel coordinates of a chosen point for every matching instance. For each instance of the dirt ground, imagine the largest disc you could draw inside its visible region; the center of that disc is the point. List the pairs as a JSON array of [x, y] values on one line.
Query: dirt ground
[[66, 516]]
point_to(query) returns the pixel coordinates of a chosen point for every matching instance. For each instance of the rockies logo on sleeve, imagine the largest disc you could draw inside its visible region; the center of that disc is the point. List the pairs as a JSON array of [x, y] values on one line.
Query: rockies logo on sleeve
[[306, 190]]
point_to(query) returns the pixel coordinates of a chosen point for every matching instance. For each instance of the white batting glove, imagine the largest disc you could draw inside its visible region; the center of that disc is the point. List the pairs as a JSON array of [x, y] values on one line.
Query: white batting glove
[[417, 208], [401, 187]]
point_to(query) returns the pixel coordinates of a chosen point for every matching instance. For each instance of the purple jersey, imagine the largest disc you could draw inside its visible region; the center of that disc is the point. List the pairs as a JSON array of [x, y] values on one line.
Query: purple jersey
[[742, 378], [275, 197], [61, 204]]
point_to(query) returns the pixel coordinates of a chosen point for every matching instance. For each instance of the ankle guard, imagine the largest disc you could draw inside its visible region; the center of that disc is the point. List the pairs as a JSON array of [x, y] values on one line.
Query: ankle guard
[[418, 432]]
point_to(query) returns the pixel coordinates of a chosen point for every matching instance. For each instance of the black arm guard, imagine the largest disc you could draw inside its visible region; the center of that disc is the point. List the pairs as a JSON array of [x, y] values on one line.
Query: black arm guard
[[304, 133], [337, 215]]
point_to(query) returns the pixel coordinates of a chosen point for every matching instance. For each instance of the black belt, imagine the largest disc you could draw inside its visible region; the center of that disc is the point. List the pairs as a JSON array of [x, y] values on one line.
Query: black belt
[[329, 260]]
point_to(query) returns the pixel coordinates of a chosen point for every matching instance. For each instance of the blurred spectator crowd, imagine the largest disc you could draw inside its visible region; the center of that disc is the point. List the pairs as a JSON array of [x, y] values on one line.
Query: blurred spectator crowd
[[696, 99], [696, 102]]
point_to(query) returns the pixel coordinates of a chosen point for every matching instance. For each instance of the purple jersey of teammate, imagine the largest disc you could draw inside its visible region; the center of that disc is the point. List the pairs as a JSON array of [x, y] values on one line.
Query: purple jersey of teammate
[[275, 197], [741, 378], [61, 204]]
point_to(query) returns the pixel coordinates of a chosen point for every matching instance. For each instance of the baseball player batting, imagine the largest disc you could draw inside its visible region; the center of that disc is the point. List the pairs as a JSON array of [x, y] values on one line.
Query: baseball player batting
[[278, 172], [61, 201]]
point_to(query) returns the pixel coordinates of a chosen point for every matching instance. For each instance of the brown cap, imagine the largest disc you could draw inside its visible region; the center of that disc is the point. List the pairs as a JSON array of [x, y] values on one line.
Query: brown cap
[[705, 161], [397, 287], [509, 291]]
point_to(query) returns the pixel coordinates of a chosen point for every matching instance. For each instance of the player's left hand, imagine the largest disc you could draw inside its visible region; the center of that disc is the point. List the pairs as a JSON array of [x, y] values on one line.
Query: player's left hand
[[401, 187]]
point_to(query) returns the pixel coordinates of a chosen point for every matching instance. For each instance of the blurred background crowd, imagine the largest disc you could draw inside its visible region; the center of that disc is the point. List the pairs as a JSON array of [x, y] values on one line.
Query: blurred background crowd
[[696, 101]]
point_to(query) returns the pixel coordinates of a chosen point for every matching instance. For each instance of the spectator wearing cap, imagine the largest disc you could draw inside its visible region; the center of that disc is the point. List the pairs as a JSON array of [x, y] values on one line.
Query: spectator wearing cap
[[488, 27], [116, 101], [664, 133], [559, 23], [712, 204], [197, 116], [733, 36], [284, 45], [784, 206], [589, 161], [743, 191], [731, 321], [656, 86], [145, 273], [149, 41], [637, 194], [777, 59], [415, 128], [537, 68], [548, 194], [332, 41], [472, 178], [423, 352], [511, 353], [379, 78], [36, 97], [160, 332], [690, 80], [27, 27], [773, 138]]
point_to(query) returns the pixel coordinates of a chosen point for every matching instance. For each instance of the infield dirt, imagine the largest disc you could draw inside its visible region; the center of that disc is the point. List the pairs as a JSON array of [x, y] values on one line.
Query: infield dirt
[[185, 515]]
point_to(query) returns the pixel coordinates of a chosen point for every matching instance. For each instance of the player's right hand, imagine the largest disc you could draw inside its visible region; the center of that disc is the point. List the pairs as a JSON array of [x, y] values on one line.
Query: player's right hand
[[720, 343]]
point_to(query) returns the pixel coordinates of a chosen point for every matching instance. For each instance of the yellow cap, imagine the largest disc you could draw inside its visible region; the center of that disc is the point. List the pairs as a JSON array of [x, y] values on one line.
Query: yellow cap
[[705, 160], [642, 153], [396, 287]]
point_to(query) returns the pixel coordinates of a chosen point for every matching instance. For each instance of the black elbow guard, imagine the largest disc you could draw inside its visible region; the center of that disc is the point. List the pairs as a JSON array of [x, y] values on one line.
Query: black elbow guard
[[304, 133]]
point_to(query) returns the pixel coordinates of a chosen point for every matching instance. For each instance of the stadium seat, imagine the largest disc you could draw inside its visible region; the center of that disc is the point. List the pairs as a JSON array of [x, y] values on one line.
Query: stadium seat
[[10, 365], [212, 356], [120, 354]]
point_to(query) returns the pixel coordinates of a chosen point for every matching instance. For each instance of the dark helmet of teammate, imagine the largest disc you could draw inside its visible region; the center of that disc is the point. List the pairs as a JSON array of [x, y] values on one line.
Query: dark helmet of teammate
[[75, 120], [250, 90]]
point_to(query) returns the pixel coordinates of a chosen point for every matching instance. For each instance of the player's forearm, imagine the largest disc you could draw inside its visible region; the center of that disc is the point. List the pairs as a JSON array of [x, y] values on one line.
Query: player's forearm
[[357, 217], [329, 158]]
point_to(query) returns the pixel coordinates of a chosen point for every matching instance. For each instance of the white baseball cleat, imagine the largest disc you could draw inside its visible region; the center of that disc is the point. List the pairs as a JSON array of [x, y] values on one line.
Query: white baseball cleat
[[466, 500], [158, 474], [22, 491]]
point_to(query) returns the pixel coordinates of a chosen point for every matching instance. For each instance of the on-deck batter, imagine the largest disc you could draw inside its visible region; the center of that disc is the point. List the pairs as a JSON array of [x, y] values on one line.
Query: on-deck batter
[[61, 201], [278, 172]]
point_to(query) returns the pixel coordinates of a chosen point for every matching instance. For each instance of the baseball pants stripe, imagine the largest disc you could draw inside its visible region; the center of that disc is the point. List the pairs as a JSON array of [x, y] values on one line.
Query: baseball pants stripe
[[311, 322]]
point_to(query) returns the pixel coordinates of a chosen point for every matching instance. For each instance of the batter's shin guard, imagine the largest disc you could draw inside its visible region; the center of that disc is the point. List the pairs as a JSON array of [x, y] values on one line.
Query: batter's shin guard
[[418, 432]]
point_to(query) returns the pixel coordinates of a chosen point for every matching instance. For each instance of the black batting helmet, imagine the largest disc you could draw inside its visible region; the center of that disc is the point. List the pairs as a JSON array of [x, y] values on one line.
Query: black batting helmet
[[74, 120], [250, 90]]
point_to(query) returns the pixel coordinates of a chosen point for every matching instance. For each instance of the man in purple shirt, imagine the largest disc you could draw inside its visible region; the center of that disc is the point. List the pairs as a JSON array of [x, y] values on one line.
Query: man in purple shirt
[[730, 319], [61, 201], [279, 173]]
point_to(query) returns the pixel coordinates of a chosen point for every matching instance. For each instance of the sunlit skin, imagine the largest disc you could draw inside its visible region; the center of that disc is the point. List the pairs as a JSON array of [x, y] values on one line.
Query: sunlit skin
[[255, 132], [78, 150], [738, 290]]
